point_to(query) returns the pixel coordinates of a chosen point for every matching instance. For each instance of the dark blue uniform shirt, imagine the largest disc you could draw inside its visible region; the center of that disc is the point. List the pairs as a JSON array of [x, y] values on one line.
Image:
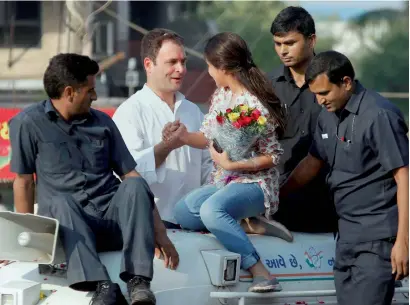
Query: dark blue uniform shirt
[[309, 208], [74, 158], [363, 144], [301, 111]]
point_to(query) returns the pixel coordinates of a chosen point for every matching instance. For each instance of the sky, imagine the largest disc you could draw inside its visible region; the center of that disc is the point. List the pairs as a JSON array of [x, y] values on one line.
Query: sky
[[345, 9]]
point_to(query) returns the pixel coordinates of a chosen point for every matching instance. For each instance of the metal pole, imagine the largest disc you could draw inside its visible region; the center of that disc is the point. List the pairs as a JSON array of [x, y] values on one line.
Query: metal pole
[[284, 294], [130, 91]]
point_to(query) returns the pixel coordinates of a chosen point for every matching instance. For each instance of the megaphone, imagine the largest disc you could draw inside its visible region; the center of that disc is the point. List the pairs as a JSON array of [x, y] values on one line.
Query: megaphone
[[30, 238]]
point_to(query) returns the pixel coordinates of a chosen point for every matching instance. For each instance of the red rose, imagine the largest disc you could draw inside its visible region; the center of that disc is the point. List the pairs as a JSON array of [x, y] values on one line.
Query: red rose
[[255, 114], [246, 121], [220, 119], [229, 110], [237, 124]]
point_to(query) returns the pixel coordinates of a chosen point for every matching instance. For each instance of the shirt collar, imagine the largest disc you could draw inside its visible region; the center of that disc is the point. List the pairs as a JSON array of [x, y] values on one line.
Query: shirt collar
[[284, 74], [179, 97], [281, 73], [50, 110], [353, 103], [53, 114], [287, 75]]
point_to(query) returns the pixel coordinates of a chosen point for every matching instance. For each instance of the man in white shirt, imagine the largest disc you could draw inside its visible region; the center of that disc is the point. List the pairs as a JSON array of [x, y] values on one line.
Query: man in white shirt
[[171, 168]]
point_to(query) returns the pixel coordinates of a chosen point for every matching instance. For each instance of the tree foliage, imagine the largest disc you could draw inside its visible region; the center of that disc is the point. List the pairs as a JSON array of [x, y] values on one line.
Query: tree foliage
[[251, 20], [388, 68]]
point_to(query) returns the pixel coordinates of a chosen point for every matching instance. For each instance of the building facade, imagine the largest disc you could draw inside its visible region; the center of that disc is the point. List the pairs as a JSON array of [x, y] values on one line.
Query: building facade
[[31, 32]]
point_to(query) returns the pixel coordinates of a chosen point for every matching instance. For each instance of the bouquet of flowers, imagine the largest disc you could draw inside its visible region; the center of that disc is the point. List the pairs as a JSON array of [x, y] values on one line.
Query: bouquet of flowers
[[238, 129]]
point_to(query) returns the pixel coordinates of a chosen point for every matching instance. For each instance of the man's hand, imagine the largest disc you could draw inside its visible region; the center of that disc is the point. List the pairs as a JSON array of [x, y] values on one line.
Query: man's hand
[[174, 134], [165, 249], [305, 171], [4, 263], [169, 129], [400, 259], [400, 251]]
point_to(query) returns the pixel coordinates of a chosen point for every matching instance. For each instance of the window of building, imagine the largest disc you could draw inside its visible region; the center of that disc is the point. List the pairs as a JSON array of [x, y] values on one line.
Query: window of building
[[103, 39], [20, 24]]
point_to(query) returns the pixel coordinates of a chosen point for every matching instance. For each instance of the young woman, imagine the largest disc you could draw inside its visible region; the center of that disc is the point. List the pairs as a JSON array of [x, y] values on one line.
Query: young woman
[[253, 190]]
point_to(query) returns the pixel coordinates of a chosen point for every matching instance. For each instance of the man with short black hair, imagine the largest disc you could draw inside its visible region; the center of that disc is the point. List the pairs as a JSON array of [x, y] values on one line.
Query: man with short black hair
[[310, 208], [362, 138], [73, 150]]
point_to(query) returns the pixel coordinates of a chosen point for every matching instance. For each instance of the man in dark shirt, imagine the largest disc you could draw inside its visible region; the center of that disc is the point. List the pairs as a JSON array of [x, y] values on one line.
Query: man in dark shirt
[[362, 137], [73, 150], [310, 208]]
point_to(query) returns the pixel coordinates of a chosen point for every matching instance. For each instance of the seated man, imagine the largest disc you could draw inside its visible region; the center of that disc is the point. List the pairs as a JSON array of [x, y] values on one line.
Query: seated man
[[171, 168], [73, 151]]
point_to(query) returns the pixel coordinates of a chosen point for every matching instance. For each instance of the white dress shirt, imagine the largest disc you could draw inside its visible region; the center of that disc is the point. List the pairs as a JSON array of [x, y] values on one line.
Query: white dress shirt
[[141, 119]]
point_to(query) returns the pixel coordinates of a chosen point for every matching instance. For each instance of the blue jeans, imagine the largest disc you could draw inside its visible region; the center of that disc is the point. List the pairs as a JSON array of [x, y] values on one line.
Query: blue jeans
[[219, 210]]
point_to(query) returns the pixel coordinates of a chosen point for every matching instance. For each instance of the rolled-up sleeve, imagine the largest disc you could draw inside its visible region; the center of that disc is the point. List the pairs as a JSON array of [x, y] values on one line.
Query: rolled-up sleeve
[[128, 122], [23, 145], [269, 144], [209, 119]]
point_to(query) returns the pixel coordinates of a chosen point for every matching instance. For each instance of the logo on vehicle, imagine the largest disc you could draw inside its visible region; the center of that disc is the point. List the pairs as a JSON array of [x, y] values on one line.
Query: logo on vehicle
[[313, 258]]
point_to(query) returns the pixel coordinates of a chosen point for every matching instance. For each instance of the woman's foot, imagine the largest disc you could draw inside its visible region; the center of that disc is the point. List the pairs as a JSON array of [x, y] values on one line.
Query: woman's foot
[[263, 281], [261, 284]]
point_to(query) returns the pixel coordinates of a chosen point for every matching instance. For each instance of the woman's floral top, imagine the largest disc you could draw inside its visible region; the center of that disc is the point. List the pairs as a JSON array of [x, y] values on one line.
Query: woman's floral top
[[269, 145]]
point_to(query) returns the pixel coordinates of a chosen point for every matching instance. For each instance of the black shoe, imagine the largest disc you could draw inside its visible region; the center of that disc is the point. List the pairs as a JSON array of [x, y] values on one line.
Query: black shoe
[[108, 293], [140, 292]]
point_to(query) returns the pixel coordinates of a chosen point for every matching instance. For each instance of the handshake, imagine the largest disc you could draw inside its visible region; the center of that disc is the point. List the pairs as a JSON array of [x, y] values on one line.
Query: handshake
[[174, 134]]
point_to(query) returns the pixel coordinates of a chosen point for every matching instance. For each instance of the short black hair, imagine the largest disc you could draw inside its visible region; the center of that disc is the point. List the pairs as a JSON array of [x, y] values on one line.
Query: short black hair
[[334, 64], [67, 69], [293, 19], [152, 42]]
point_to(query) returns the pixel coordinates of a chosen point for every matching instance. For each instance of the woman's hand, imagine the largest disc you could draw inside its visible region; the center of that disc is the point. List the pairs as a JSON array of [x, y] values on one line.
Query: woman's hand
[[221, 159]]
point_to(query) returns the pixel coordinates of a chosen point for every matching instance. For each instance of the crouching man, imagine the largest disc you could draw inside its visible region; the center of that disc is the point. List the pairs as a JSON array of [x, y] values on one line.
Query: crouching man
[[74, 150]]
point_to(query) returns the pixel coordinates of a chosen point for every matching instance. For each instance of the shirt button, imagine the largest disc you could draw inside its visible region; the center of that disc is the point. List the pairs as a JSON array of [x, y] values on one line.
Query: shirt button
[[303, 132], [302, 111]]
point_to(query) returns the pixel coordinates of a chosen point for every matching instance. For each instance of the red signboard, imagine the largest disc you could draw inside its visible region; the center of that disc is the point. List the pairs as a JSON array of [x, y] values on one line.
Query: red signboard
[[5, 150]]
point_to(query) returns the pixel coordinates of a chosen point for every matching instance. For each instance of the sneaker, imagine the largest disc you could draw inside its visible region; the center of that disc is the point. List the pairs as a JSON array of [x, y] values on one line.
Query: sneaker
[[108, 293], [140, 292], [263, 285]]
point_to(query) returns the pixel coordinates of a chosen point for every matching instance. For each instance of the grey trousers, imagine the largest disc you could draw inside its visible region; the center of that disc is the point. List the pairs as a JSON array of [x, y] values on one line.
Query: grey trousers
[[126, 225], [363, 273]]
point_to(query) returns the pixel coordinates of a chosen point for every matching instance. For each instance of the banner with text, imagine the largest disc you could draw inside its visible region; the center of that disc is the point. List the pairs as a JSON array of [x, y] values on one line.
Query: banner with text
[[5, 148]]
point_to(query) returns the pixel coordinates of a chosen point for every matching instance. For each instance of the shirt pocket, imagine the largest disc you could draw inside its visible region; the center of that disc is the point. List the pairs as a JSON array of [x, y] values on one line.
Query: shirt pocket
[[98, 154], [54, 157], [292, 124], [348, 157]]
